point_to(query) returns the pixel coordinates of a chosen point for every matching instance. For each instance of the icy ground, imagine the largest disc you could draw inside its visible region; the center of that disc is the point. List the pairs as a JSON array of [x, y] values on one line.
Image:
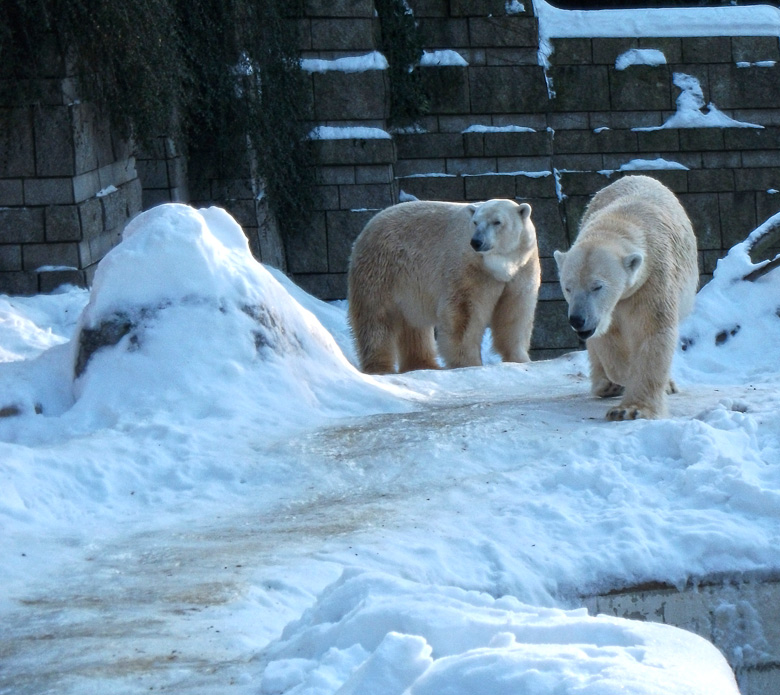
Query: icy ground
[[221, 503]]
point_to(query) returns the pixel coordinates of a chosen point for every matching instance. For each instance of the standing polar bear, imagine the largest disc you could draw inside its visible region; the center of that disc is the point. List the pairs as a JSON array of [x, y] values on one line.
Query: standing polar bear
[[629, 279], [452, 267]]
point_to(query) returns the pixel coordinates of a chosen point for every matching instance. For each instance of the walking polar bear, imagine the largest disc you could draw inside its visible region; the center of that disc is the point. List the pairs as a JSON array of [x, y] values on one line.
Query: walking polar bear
[[629, 279], [450, 267]]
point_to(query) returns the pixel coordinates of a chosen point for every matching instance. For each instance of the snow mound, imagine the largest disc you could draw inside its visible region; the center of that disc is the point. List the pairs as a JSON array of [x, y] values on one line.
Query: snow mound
[[734, 330], [370, 632], [182, 318]]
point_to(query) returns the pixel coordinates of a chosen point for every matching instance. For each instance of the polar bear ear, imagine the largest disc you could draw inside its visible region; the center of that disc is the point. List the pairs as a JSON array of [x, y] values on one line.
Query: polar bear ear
[[632, 263], [560, 256], [472, 208], [524, 210]]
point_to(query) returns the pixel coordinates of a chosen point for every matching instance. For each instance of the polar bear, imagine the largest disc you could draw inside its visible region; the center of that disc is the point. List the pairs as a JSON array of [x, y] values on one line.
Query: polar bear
[[629, 279], [421, 269]]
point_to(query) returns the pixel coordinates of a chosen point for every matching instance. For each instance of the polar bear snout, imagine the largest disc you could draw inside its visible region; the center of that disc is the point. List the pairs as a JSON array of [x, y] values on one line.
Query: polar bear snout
[[578, 323], [480, 244]]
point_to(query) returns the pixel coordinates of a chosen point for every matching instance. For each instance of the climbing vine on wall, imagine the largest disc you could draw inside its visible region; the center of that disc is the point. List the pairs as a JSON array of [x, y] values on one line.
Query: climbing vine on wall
[[217, 74], [402, 46]]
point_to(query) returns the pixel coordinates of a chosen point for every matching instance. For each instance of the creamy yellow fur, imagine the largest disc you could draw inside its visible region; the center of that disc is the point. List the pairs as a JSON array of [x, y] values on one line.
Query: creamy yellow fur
[[413, 272]]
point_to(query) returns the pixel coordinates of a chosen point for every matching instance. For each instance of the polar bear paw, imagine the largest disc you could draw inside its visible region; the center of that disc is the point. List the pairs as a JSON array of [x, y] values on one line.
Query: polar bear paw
[[605, 388], [630, 412]]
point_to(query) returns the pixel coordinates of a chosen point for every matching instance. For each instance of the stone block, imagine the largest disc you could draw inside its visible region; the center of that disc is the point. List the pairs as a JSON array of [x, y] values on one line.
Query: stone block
[[702, 208], [572, 51], [487, 187], [738, 209], [114, 209], [16, 143], [19, 283], [328, 287], [477, 8], [434, 187], [356, 95], [421, 167], [91, 218], [307, 250], [500, 57], [721, 160], [551, 327], [753, 49], [355, 151], [587, 183], [84, 118], [35, 256], [664, 140], [54, 153], [339, 8], [529, 186], [524, 165], [640, 87], [343, 228], [21, 225], [85, 185], [447, 33], [768, 158], [62, 223], [606, 50], [701, 139], [710, 180], [706, 49], [752, 138], [517, 89], [429, 8], [578, 88], [326, 198], [512, 144], [342, 34], [550, 232], [574, 120], [430, 145], [503, 31], [362, 196], [743, 88], [757, 179], [11, 192], [335, 175], [471, 166], [51, 281], [153, 173], [447, 88], [10, 258], [378, 173], [670, 47]]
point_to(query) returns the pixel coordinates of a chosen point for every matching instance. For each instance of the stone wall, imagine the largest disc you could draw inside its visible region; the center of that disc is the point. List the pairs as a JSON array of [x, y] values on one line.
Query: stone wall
[[501, 125], [68, 186]]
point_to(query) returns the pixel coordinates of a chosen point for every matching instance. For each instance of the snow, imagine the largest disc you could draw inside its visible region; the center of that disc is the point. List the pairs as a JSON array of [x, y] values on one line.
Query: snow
[[646, 165], [368, 61], [690, 103], [442, 58], [477, 128], [326, 132], [658, 22], [221, 498], [640, 56]]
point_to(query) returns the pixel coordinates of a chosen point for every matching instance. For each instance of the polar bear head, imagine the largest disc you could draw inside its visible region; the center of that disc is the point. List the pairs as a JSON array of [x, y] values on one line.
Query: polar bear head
[[503, 234], [594, 277]]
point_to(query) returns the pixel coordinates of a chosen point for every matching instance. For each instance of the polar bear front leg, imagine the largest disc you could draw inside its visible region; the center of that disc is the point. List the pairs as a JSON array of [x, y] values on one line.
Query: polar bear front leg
[[459, 336], [601, 385], [648, 379]]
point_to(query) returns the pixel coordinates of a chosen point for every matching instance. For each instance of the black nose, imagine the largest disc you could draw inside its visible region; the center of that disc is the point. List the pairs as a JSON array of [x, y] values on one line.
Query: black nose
[[577, 322], [477, 244]]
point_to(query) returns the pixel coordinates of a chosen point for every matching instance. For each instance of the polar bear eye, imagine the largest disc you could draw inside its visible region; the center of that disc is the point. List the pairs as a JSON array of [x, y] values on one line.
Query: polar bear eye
[[596, 288]]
